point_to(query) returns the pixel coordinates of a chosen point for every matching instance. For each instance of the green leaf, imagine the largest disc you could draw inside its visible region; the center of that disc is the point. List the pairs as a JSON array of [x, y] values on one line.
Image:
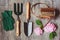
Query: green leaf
[[52, 35], [38, 22], [41, 26], [55, 34]]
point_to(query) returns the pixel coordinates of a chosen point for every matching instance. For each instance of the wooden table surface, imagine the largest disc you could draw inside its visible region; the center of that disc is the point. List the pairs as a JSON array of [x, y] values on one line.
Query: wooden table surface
[[10, 35]]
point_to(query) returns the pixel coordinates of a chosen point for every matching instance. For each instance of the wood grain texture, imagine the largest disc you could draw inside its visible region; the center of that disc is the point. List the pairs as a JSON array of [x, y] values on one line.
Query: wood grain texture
[[10, 35]]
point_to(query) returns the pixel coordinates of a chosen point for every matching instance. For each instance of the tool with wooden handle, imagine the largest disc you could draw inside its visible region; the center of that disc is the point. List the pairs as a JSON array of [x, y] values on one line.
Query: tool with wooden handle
[[18, 28], [18, 9], [27, 11], [28, 24], [48, 12]]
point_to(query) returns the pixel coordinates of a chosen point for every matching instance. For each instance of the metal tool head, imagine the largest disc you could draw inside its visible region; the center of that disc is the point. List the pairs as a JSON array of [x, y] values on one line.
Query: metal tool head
[[28, 29], [18, 8]]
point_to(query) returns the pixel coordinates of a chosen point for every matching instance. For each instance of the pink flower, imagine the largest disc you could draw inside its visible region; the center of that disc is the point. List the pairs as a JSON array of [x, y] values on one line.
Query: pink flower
[[38, 31], [50, 27]]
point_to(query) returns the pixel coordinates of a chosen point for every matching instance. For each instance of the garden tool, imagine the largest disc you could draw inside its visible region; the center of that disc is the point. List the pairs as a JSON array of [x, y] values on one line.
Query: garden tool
[[28, 24], [8, 21], [48, 12], [18, 9]]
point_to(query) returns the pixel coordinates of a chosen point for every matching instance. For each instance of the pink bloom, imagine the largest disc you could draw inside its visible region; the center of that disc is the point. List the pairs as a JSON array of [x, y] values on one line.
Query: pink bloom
[[50, 27], [38, 31]]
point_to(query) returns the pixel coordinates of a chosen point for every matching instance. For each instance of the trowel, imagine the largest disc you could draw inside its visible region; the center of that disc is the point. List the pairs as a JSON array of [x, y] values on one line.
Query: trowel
[[28, 24]]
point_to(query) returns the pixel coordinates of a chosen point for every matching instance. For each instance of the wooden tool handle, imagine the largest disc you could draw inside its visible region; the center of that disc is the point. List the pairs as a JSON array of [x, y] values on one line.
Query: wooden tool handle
[[28, 11], [18, 27]]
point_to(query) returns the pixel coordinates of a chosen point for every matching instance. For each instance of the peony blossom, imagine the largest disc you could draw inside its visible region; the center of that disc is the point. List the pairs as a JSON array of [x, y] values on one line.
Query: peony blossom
[[38, 31], [50, 27]]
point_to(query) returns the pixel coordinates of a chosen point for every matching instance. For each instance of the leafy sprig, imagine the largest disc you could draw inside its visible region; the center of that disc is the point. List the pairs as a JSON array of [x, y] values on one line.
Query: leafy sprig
[[38, 22], [52, 35]]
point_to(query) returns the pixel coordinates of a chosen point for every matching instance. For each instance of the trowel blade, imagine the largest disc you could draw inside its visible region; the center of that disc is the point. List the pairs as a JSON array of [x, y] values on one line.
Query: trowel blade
[[28, 28]]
